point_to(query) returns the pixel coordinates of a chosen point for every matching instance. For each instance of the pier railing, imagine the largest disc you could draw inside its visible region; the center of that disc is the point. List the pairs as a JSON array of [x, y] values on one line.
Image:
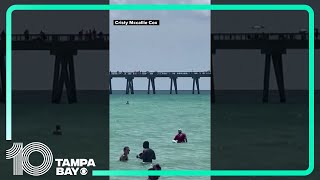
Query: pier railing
[[58, 37], [261, 36], [159, 74]]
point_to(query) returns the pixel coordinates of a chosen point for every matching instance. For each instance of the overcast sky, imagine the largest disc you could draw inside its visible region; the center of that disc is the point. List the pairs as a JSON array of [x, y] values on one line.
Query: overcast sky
[[181, 43]]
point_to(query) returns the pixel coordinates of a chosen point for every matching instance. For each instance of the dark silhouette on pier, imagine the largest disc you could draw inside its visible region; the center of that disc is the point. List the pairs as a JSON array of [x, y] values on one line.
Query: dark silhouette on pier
[[151, 76], [272, 45], [64, 47]]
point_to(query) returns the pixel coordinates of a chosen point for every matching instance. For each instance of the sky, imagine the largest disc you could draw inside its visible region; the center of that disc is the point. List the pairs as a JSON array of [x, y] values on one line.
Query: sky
[[232, 69], [179, 44]]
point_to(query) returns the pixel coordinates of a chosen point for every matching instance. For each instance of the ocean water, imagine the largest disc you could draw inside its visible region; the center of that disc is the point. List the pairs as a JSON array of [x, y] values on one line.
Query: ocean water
[[84, 136], [246, 134], [156, 118]]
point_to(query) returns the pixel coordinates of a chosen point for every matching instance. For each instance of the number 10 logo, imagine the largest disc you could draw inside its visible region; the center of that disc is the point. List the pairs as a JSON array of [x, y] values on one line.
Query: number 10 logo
[[20, 156]]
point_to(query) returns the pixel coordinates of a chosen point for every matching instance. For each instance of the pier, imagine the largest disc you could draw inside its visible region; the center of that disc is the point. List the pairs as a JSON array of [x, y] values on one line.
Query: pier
[[64, 47], [151, 76], [272, 45]]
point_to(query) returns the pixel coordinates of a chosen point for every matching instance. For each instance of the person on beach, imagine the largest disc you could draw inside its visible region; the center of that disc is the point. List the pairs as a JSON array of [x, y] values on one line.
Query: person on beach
[[124, 156], [154, 167], [180, 137], [147, 154]]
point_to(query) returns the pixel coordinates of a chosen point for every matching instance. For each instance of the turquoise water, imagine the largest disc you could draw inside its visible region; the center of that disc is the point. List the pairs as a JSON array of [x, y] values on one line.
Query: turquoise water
[[156, 118]]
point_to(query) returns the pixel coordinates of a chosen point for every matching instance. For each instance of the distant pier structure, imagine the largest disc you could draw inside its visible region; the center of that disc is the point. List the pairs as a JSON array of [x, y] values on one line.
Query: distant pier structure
[[151, 76], [272, 45]]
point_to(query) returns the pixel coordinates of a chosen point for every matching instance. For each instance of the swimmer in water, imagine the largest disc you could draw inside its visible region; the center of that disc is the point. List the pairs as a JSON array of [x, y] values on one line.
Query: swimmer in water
[[124, 156], [57, 131], [127, 102], [180, 137], [147, 154], [154, 167]]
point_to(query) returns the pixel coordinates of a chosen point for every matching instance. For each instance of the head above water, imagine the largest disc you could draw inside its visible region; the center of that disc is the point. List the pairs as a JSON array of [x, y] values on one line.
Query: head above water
[[157, 167], [145, 144], [180, 131], [126, 150], [58, 127]]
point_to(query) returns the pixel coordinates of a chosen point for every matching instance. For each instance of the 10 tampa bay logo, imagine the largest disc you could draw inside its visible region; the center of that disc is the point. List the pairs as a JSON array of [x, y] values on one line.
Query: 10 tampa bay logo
[[65, 167]]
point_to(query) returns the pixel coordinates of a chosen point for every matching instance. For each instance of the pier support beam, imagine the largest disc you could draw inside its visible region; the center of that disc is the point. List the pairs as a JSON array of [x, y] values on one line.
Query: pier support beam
[[2, 78], [195, 82], [174, 82], [151, 80], [129, 86], [276, 58], [64, 74], [213, 95], [266, 78], [110, 85]]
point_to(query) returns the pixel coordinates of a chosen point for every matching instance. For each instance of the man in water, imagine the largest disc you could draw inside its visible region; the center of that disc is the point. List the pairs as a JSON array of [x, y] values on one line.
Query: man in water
[[154, 167], [180, 137], [127, 102], [124, 156], [147, 154]]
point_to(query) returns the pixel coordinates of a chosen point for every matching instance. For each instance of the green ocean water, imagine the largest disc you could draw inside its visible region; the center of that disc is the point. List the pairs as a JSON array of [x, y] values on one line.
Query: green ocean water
[[246, 135], [156, 118]]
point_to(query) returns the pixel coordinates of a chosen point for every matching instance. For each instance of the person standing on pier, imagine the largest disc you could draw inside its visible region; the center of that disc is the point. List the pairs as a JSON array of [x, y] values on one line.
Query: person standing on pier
[[26, 34], [147, 154], [81, 34], [180, 137], [94, 33]]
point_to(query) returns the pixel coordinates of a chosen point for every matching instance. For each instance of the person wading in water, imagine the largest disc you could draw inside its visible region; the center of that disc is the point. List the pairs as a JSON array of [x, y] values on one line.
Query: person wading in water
[[147, 154], [180, 137], [124, 156]]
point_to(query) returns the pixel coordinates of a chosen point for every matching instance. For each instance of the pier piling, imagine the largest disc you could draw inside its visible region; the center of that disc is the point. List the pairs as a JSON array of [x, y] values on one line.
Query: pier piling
[[195, 82], [151, 81], [276, 58], [129, 86], [110, 84], [64, 74], [174, 82]]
